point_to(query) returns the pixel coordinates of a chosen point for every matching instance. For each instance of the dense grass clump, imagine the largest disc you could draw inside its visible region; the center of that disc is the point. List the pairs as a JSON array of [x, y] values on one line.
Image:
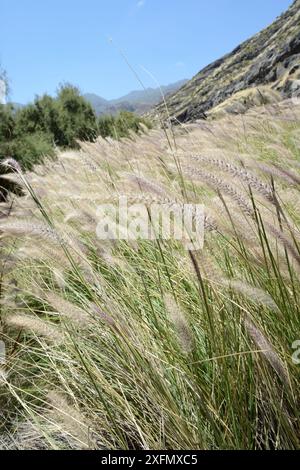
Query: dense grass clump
[[143, 344]]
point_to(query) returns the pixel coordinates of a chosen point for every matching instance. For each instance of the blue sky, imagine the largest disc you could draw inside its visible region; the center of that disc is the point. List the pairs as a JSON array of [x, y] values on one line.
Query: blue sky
[[46, 42]]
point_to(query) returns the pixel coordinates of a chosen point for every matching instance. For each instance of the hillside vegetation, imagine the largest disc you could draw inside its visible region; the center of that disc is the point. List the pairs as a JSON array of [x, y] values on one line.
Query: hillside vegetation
[[143, 344], [48, 125], [270, 60]]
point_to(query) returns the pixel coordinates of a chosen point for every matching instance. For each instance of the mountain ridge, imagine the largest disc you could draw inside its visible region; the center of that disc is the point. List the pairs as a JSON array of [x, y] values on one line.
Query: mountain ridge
[[269, 58], [138, 101]]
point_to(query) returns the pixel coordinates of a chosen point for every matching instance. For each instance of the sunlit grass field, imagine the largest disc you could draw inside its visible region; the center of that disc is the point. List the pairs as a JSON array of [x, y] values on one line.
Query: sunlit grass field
[[144, 344]]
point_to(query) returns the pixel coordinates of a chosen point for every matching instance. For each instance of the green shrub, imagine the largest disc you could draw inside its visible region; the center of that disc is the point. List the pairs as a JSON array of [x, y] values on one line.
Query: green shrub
[[67, 118], [120, 125], [41, 116], [30, 133], [28, 149], [107, 126], [77, 119]]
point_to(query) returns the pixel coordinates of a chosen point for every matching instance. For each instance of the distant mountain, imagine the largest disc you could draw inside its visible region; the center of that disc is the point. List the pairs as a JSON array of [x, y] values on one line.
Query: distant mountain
[[150, 95], [99, 104], [266, 68], [138, 101]]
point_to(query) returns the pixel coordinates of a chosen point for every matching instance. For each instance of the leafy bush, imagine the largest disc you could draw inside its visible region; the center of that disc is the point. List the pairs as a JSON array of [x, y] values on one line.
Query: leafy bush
[[77, 120], [30, 133], [121, 125], [41, 116], [30, 149], [23, 137], [107, 126]]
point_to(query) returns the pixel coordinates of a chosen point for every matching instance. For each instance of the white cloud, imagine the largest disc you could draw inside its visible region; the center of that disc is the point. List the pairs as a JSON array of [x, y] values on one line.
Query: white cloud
[[180, 64], [141, 3]]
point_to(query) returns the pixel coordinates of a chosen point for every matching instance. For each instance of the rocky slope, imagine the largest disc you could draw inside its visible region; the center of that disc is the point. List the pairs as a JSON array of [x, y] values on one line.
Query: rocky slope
[[262, 69]]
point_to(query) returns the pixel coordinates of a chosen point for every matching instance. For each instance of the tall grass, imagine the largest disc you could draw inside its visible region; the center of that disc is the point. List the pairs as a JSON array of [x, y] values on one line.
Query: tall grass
[[143, 344]]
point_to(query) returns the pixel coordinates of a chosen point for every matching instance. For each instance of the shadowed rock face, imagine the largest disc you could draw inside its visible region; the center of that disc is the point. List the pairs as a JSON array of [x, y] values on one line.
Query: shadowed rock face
[[271, 57]]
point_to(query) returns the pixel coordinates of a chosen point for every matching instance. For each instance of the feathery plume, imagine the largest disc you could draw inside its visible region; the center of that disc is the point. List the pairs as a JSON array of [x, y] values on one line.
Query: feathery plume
[[289, 174], [27, 227], [267, 350], [102, 315], [182, 328], [277, 172], [66, 308], [285, 241], [146, 184], [37, 326], [218, 185], [70, 419], [254, 294], [241, 173], [59, 277]]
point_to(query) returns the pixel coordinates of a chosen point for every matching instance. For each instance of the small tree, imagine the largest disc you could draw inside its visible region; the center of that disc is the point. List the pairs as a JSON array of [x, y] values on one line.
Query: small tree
[[48, 111], [77, 120], [28, 120]]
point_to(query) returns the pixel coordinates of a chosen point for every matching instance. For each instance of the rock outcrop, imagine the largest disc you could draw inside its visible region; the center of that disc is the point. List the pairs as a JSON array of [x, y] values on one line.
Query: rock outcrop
[[270, 59]]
